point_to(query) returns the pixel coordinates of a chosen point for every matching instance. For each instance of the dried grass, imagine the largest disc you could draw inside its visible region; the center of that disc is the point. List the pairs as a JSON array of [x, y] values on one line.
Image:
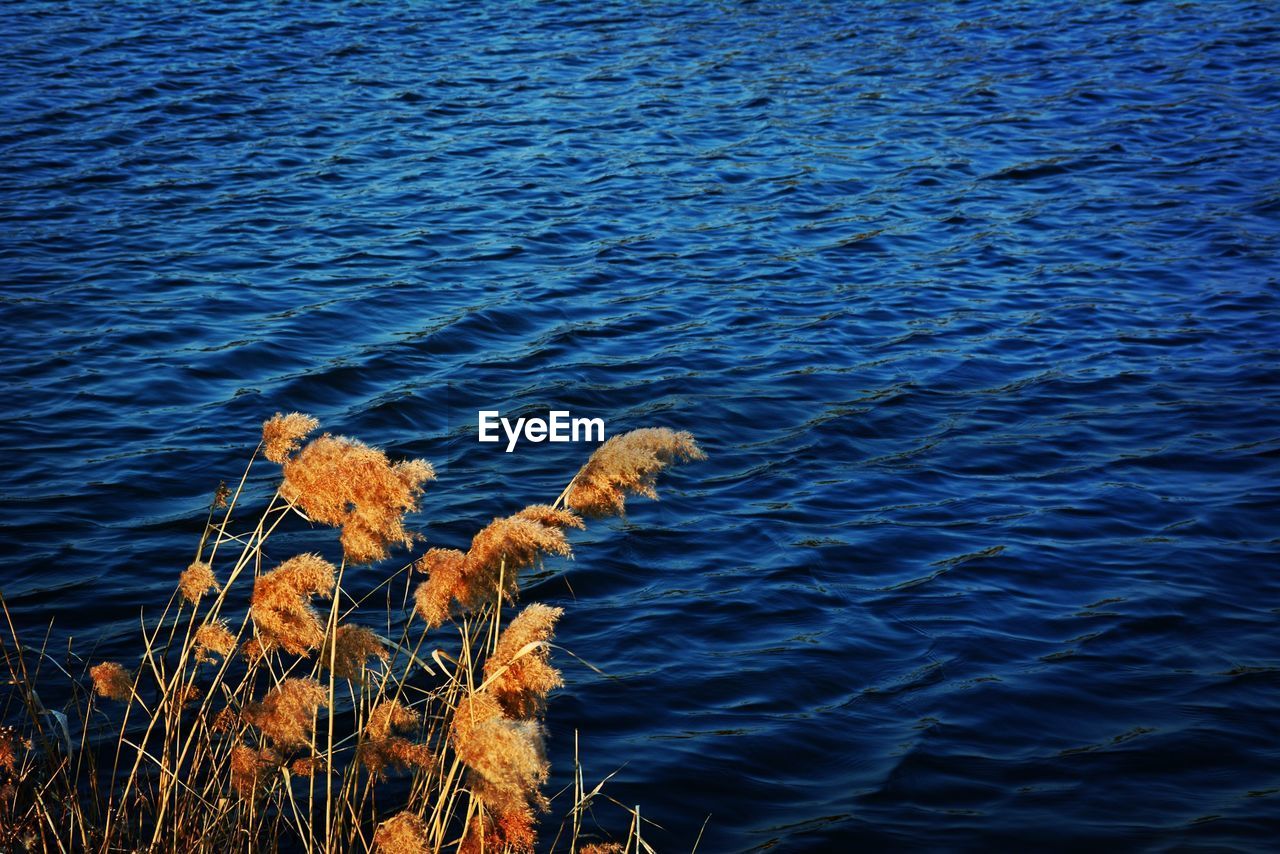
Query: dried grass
[[200, 764], [404, 833], [197, 580], [112, 681], [356, 647]]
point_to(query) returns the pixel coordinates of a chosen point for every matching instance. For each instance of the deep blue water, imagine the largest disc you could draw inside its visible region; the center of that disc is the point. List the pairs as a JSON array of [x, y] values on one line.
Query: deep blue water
[[974, 307]]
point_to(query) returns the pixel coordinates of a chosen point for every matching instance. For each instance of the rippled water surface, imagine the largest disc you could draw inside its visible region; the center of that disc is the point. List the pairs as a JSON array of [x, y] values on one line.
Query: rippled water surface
[[973, 306]]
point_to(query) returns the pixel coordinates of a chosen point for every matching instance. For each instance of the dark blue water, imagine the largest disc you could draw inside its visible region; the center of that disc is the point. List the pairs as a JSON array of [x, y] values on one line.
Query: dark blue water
[[974, 307]]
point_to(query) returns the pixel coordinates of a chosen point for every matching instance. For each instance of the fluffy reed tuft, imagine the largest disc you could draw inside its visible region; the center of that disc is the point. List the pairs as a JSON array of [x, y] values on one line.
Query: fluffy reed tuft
[[629, 462], [404, 833], [112, 681], [381, 748], [197, 580], [520, 682], [195, 738], [446, 580], [306, 766], [497, 555], [345, 483], [281, 604], [511, 833], [355, 646], [214, 638], [286, 715], [251, 768], [282, 434], [506, 758]]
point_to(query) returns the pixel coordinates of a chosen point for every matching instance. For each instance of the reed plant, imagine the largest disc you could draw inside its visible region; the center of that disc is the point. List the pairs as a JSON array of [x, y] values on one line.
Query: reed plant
[[268, 711]]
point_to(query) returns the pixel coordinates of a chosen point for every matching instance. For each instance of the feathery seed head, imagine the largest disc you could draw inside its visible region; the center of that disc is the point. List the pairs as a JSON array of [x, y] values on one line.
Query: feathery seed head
[[552, 517], [498, 552], [112, 681], [381, 749], [254, 650], [628, 462], [251, 769], [445, 582], [404, 833], [281, 434], [506, 758], [197, 580], [345, 483], [225, 720], [9, 749], [522, 686], [214, 638], [388, 717], [287, 713], [511, 832], [355, 645], [281, 604], [306, 766]]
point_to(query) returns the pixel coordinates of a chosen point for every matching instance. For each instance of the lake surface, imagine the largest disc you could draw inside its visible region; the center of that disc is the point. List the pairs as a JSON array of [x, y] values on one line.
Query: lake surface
[[974, 307]]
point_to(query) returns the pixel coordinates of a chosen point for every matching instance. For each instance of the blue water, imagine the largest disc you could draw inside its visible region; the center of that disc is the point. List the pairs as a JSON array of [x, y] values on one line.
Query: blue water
[[974, 307]]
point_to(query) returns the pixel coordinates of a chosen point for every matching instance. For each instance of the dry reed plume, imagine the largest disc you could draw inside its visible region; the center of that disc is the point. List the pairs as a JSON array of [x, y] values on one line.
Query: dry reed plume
[[322, 734], [283, 434], [214, 638], [250, 769], [493, 563], [507, 763], [383, 748], [112, 681], [629, 462], [519, 671], [347, 484], [197, 580], [355, 646], [281, 603], [286, 715], [404, 833]]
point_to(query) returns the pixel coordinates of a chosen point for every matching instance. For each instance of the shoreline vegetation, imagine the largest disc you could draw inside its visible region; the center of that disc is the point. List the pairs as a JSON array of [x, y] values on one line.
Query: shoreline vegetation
[[266, 713]]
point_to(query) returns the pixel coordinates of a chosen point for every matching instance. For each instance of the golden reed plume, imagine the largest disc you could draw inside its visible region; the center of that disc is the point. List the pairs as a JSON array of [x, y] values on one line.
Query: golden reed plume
[[382, 748], [522, 677], [628, 462], [355, 647], [282, 434], [281, 605], [345, 483], [214, 638], [197, 580], [250, 769], [11, 748], [404, 833], [507, 766], [286, 715], [497, 554], [112, 681]]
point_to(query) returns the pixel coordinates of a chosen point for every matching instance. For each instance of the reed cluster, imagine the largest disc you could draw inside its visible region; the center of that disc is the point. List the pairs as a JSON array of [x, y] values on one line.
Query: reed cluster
[[268, 710]]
